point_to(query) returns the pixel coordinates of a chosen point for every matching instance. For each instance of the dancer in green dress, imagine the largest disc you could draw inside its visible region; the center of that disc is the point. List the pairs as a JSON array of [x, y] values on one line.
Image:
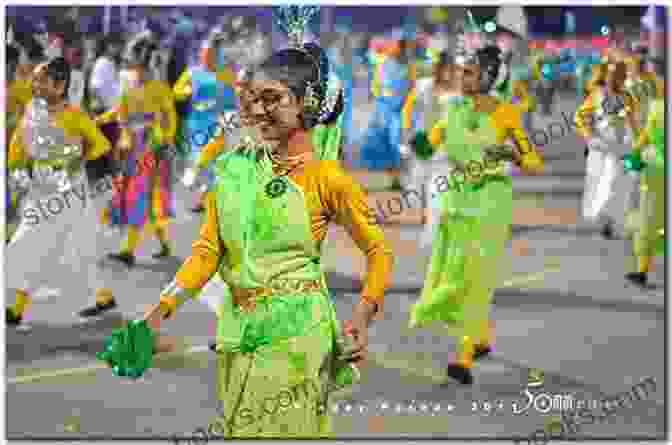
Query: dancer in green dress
[[647, 225], [476, 208], [266, 218]]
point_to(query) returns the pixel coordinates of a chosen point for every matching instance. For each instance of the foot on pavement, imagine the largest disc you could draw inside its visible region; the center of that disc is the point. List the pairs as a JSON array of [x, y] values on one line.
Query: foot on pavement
[[461, 374], [482, 351], [125, 258], [165, 252], [16, 321], [97, 310], [608, 231], [639, 279]]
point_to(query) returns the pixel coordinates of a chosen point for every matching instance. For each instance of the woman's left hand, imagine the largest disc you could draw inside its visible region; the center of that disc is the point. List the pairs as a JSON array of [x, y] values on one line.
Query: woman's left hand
[[532, 163], [153, 318], [362, 315]]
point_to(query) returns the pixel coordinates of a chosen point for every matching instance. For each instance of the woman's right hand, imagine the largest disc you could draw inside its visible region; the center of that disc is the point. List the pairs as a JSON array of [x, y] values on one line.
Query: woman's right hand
[[189, 179], [124, 143], [153, 316]]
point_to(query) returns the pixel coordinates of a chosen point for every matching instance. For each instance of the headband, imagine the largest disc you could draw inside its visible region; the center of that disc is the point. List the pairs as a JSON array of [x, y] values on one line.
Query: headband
[[322, 94]]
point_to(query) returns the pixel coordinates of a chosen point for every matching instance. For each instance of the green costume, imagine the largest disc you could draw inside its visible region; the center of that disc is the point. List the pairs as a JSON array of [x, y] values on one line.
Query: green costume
[[293, 336], [473, 230], [646, 224]]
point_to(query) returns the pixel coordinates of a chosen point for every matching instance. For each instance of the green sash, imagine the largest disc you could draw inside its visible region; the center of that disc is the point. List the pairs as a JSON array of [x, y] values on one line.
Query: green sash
[[327, 140]]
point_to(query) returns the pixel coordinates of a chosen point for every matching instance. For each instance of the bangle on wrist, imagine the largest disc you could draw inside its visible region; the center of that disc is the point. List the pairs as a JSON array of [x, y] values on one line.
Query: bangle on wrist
[[365, 301], [167, 306]]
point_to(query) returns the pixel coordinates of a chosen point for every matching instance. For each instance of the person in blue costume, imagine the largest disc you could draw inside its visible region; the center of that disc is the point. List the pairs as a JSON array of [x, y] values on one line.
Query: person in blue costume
[[342, 59], [208, 90], [380, 148], [566, 66], [548, 67], [586, 58]]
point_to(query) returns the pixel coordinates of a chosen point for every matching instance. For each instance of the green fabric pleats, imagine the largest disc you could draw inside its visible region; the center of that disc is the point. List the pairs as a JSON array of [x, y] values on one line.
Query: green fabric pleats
[[472, 232], [327, 140]]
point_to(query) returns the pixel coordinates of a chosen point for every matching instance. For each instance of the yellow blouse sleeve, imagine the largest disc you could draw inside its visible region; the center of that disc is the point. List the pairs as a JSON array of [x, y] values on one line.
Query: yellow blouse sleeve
[[19, 94], [211, 151], [347, 201], [584, 117], [536, 68], [107, 117], [170, 114], [96, 143], [655, 119], [632, 107], [407, 110], [509, 126], [206, 255], [436, 133], [17, 156], [519, 88], [182, 88], [226, 76]]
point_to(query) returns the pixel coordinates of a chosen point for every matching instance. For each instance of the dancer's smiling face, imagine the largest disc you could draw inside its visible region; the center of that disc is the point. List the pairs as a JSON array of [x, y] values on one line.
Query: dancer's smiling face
[[616, 75], [271, 108], [467, 78], [47, 86]]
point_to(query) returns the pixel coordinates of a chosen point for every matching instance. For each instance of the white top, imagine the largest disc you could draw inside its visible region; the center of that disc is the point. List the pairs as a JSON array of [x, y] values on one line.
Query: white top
[[76, 91], [104, 81]]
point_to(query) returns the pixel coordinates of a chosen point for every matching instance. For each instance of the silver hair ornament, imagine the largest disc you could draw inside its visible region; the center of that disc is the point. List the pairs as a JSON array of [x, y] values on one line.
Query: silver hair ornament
[[332, 93], [228, 123], [311, 99], [293, 20]]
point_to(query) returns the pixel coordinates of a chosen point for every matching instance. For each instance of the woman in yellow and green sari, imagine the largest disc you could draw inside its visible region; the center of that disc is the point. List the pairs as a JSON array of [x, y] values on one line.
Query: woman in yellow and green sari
[[266, 218], [647, 225], [476, 209]]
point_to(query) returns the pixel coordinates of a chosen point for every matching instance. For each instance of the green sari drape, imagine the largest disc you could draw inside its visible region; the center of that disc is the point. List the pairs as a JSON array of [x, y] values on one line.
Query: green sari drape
[[471, 236], [327, 140], [647, 223], [275, 362]]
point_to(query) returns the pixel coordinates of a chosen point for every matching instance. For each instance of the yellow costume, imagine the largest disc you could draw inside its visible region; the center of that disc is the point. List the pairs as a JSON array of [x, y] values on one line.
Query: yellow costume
[[616, 130], [74, 221], [144, 199]]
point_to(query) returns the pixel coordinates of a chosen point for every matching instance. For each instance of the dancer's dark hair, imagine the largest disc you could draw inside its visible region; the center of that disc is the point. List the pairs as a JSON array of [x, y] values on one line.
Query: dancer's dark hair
[[297, 68], [59, 70], [11, 54], [490, 61], [139, 49]]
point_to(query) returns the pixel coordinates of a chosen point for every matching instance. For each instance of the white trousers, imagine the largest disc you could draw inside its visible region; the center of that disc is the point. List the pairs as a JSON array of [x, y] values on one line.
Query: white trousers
[[55, 243], [436, 175], [608, 190]]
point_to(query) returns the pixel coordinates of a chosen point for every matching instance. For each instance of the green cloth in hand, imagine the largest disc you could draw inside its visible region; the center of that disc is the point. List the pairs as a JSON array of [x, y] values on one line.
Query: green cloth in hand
[[633, 161], [421, 146], [128, 351]]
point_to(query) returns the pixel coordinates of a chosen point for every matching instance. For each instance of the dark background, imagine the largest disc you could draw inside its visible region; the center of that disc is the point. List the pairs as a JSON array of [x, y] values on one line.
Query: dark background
[[542, 20]]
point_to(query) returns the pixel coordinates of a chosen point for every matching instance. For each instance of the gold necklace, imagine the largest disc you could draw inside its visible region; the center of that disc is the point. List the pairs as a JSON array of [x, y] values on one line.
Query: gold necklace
[[285, 165]]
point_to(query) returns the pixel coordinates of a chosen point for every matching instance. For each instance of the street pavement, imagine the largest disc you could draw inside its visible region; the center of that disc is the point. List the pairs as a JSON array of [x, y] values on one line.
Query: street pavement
[[563, 308]]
